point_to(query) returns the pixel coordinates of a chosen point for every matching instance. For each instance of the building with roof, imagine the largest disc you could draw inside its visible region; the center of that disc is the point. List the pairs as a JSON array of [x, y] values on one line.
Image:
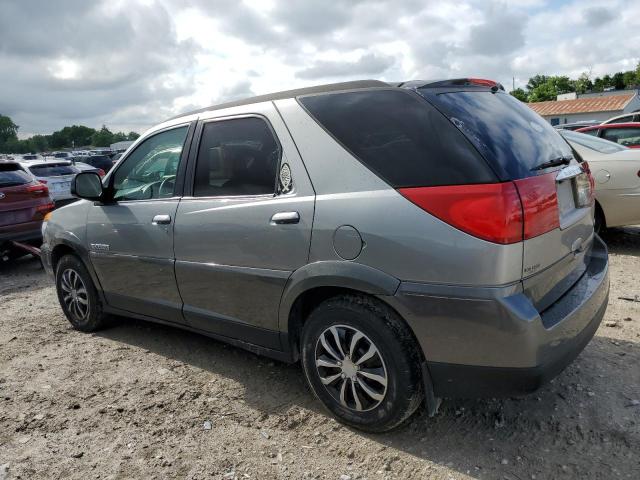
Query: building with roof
[[571, 107]]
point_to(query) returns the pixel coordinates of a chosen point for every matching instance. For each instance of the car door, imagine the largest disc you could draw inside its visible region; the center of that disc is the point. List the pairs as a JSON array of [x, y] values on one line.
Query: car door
[[130, 235], [245, 225]]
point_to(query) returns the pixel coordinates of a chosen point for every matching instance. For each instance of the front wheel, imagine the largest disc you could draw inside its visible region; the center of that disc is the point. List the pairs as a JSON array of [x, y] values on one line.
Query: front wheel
[[362, 362], [77, 295]]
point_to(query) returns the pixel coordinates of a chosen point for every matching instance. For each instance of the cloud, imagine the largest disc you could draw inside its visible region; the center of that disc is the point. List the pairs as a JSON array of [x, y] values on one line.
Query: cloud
[[369, 64], [598, 16], [132, 63]]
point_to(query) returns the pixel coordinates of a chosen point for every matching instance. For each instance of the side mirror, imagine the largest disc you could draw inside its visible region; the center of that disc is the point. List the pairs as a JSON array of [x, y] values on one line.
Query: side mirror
[[87, 185]]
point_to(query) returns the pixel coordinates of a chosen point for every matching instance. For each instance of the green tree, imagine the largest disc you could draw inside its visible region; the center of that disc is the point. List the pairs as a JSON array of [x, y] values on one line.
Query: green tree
[[618, 80], [133, 136], [8, 132], [102, 138], [583, 83], [520, 94]]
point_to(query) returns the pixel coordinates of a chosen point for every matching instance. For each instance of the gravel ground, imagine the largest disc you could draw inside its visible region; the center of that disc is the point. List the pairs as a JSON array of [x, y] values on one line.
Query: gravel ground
[[144, 401]]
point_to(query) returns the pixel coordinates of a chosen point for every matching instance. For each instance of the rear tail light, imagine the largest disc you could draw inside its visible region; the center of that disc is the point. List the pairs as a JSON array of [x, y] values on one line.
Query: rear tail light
[[504, 213], [539, 204], [37, 188], [101, 172], [47, 207], [489, 211], [482, 82]]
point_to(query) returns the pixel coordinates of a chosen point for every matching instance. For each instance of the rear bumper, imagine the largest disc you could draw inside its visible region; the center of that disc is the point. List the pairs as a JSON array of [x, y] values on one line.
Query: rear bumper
[[493, 341], [21, 232]]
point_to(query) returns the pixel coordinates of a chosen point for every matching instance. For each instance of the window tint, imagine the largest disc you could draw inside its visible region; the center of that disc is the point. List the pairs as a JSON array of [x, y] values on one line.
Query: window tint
[[400, 137], [507, 132], [12, 175], [236, 157], [593, 132], [628, 118], [624, 136], [150, 170], [52, 170]]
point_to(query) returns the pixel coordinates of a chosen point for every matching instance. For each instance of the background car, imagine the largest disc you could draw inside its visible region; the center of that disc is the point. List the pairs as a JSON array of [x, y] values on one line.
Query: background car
[[23, 203], [626, 134], [103, 162], [625, 118], [616, 170], [57, 175], [577, 125], [85, 167]]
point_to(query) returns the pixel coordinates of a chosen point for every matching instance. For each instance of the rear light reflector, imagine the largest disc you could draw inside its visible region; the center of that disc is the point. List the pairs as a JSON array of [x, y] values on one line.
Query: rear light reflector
[[47, 207], [539, 204], [489, 211], [101, 172]]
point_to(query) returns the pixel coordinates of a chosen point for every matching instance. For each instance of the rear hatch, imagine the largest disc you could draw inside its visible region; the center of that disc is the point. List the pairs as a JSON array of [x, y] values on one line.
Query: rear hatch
[[22, 199], [554, 187], [57, 176]]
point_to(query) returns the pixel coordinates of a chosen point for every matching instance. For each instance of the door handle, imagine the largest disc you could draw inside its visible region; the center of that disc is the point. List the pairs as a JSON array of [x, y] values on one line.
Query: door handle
[[283, 218], [161, 220]]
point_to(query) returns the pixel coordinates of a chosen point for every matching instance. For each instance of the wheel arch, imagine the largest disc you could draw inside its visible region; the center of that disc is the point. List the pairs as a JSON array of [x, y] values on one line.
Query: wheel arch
[[67, 247]]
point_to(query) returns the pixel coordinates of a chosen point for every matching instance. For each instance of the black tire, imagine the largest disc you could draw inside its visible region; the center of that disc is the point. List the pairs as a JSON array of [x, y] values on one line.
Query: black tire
[[76, 293], [398, 360]]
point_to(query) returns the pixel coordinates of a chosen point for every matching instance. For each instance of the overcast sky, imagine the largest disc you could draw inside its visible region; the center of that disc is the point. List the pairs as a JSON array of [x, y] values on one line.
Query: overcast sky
[[130, 64]]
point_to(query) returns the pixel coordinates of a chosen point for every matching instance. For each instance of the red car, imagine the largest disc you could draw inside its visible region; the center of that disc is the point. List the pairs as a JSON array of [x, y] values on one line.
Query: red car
[[23, 204], [627, 134]]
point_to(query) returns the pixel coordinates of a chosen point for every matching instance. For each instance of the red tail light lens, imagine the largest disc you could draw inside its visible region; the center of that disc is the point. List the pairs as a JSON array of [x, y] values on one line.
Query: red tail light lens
[[101, 172], [37, 188], [489, 211], [539, 204], [482, 82]]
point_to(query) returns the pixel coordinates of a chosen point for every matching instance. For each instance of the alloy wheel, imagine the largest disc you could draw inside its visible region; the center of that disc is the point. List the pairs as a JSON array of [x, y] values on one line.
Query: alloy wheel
[[351, 368], [74, 294]]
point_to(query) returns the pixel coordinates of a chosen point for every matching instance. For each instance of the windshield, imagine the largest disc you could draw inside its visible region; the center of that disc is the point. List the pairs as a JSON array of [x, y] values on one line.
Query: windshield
[[12, 175], [593, 143], [52, 170], [511, 136]]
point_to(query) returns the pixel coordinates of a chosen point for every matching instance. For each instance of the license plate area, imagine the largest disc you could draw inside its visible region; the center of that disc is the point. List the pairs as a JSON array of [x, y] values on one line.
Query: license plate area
[[574, 195]]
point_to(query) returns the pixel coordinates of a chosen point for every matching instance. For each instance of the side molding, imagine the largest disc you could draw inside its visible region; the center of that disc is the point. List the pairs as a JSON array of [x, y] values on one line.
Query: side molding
[[344, 274]]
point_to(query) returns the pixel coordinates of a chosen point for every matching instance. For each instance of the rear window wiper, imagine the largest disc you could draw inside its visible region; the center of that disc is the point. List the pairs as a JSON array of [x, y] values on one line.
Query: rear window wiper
[[553, 163]]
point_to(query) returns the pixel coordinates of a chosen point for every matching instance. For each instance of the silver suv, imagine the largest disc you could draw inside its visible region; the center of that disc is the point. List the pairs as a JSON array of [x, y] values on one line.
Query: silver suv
[[405, 242]]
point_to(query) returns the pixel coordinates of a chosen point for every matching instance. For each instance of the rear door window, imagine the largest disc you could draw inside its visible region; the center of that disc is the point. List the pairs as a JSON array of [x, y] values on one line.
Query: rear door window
[[237, 157], [52, 170], [629, 137], [511, 136], [400, 137]]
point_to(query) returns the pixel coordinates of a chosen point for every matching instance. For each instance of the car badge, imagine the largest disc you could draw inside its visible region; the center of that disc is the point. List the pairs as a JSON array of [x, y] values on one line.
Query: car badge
[[1, 195]]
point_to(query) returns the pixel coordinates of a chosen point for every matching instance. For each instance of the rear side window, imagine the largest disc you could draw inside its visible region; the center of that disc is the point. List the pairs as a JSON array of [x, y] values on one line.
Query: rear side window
[[400, 137], [53, 170], [236, 157], [12, 175], [509, 134], [629, 137]]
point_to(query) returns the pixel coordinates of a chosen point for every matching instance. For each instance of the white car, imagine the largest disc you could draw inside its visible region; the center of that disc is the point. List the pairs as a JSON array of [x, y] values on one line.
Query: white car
[[55, 174], [624, 118], [616, 170]]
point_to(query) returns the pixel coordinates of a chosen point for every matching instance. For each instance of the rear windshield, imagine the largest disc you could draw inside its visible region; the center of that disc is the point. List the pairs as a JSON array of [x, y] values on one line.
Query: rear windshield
[[12, 175], [511, 136], [593, 143], [400, 137], [29, 157], [52, 170]]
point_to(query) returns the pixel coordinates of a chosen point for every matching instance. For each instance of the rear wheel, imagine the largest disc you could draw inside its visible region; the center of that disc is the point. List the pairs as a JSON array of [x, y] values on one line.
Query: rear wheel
[[362, 362], [77, 295]]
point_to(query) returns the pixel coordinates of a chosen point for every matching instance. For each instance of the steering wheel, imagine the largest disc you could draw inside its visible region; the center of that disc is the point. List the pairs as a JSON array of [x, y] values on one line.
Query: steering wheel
[[166, 182]]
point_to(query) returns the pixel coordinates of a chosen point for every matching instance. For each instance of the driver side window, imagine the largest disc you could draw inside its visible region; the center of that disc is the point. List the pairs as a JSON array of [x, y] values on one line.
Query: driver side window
[[150, 170]]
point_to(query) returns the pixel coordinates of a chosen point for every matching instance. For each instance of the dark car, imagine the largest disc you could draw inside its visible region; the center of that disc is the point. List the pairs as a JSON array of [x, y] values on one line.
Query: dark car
[[23, 204], [626, 134], [99, 161]]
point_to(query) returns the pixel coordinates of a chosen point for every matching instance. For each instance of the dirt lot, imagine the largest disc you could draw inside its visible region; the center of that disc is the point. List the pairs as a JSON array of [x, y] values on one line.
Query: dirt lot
[[132, 402]]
